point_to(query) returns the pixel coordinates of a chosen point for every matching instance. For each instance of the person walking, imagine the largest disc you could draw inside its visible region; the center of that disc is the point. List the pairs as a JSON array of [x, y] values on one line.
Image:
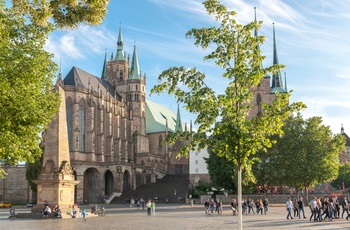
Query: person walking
[[345, 205], [266, 205], [289, 205], [301, 207], [313, 205], [153, 208], [83, 214], [296, 208], [148, 205]]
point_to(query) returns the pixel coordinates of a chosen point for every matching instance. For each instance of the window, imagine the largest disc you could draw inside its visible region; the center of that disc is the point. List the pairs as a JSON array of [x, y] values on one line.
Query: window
[[196, 170], [196, 162], [81, 128], [69, 114]]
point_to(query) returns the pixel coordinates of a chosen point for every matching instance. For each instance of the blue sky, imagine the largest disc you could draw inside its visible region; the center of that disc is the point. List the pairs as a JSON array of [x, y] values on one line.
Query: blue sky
[[312, 41]]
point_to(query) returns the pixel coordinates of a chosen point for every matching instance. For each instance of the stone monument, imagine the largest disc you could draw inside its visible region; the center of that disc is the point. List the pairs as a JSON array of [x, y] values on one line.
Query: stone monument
[[56, 181]]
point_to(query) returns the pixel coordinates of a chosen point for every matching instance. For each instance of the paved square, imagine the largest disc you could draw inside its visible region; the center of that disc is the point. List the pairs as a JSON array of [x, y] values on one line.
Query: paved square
[[170, 217]]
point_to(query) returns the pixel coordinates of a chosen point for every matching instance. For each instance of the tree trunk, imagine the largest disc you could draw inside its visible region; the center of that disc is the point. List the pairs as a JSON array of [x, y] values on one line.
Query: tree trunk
[[306, 195], [239, 199]]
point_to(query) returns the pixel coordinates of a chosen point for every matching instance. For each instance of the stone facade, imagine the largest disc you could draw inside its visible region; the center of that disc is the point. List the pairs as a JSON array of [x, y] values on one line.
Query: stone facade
[[15, 188]]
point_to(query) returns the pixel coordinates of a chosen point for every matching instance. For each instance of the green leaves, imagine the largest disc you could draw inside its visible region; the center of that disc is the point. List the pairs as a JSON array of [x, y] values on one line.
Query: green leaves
[[64, 14], [27, 103], [308, 153]]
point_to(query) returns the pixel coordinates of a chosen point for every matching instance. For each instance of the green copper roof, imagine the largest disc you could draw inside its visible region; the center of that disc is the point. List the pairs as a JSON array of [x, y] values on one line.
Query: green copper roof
[[135, 68], [104, 70], [278, 89], [157, 117], [120, 52]]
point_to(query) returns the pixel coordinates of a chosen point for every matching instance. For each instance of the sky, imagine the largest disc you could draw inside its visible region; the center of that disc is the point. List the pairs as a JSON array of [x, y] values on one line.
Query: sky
[[312, 39]]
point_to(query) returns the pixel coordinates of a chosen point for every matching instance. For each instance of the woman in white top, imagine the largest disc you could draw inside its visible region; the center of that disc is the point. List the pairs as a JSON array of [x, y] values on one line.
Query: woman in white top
[[289, 205]]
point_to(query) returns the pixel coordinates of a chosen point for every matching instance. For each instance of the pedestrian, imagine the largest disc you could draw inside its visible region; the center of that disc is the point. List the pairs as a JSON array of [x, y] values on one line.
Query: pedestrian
[[83, 214], [233, 206], [251, 205], [148, 205], [345, 205], [153, 208], [301, 207], [289, 205], [266, 205], [206, 207], [313, 205], [296, 208]]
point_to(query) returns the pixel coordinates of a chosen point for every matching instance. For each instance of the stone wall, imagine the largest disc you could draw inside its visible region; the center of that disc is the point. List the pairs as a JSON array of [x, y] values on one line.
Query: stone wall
[[15, 188]]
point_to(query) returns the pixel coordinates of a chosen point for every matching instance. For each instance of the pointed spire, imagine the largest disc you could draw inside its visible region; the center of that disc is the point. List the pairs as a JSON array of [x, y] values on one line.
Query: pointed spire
[[178, 120], [120, 52], [276, 77], [59, 80], [285, 81], [342, 129], [104, 70], [135, 68], [60, 73]]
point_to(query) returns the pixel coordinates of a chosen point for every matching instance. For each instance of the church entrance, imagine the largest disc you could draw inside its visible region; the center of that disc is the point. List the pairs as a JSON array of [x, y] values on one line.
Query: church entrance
[[109, 180], [91, 185]]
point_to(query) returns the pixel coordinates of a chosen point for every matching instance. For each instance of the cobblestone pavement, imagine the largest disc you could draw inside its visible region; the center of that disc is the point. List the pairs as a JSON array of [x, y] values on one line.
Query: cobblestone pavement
[[169, 217]]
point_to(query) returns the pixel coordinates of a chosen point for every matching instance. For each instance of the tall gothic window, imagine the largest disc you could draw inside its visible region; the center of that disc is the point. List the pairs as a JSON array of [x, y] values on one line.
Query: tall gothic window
[[69, 114], [81, 128]]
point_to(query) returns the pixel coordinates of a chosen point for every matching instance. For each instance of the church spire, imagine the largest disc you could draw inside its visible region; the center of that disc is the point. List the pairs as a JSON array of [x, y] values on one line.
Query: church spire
[[135, 68], [104, 70], [120, 52], [178, 120], [59, 80], [276, 77]]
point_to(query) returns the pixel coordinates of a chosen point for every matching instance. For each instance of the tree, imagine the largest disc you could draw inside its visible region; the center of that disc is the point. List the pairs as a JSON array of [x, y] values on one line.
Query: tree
[[33, 170], [308, 153], [27, 102], [226, 114], [221, 171], [64, 14], [343, 177]]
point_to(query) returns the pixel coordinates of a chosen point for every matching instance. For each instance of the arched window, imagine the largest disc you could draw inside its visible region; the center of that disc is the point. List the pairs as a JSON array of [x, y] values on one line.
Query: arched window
[[81, 128]]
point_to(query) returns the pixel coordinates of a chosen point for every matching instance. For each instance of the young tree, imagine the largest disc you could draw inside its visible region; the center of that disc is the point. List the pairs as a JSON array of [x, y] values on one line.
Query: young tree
[[308, 153], [225, 114]]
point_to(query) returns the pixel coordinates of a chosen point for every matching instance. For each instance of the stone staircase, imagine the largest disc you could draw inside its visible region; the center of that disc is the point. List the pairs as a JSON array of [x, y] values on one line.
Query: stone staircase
[[171, 187]]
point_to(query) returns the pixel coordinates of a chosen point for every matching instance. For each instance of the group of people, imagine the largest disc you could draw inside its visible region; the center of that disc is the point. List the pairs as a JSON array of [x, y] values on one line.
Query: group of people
[[250, 206], [326, 208], [213, 205], [46, 210]]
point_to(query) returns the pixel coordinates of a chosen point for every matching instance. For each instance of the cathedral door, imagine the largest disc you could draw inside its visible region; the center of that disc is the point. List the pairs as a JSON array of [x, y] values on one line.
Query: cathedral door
[[109, 181], [126, 180], [91, 185]]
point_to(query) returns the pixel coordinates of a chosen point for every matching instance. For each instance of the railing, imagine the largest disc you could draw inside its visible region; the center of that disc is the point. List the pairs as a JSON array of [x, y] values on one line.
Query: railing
[[110, 198]]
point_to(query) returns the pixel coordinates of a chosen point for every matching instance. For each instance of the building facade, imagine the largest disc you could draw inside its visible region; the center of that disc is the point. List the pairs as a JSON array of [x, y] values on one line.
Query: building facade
[[115, 135]]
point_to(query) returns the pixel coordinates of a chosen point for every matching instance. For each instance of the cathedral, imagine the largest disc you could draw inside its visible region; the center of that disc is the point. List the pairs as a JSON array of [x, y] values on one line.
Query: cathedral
[[115, 135]]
